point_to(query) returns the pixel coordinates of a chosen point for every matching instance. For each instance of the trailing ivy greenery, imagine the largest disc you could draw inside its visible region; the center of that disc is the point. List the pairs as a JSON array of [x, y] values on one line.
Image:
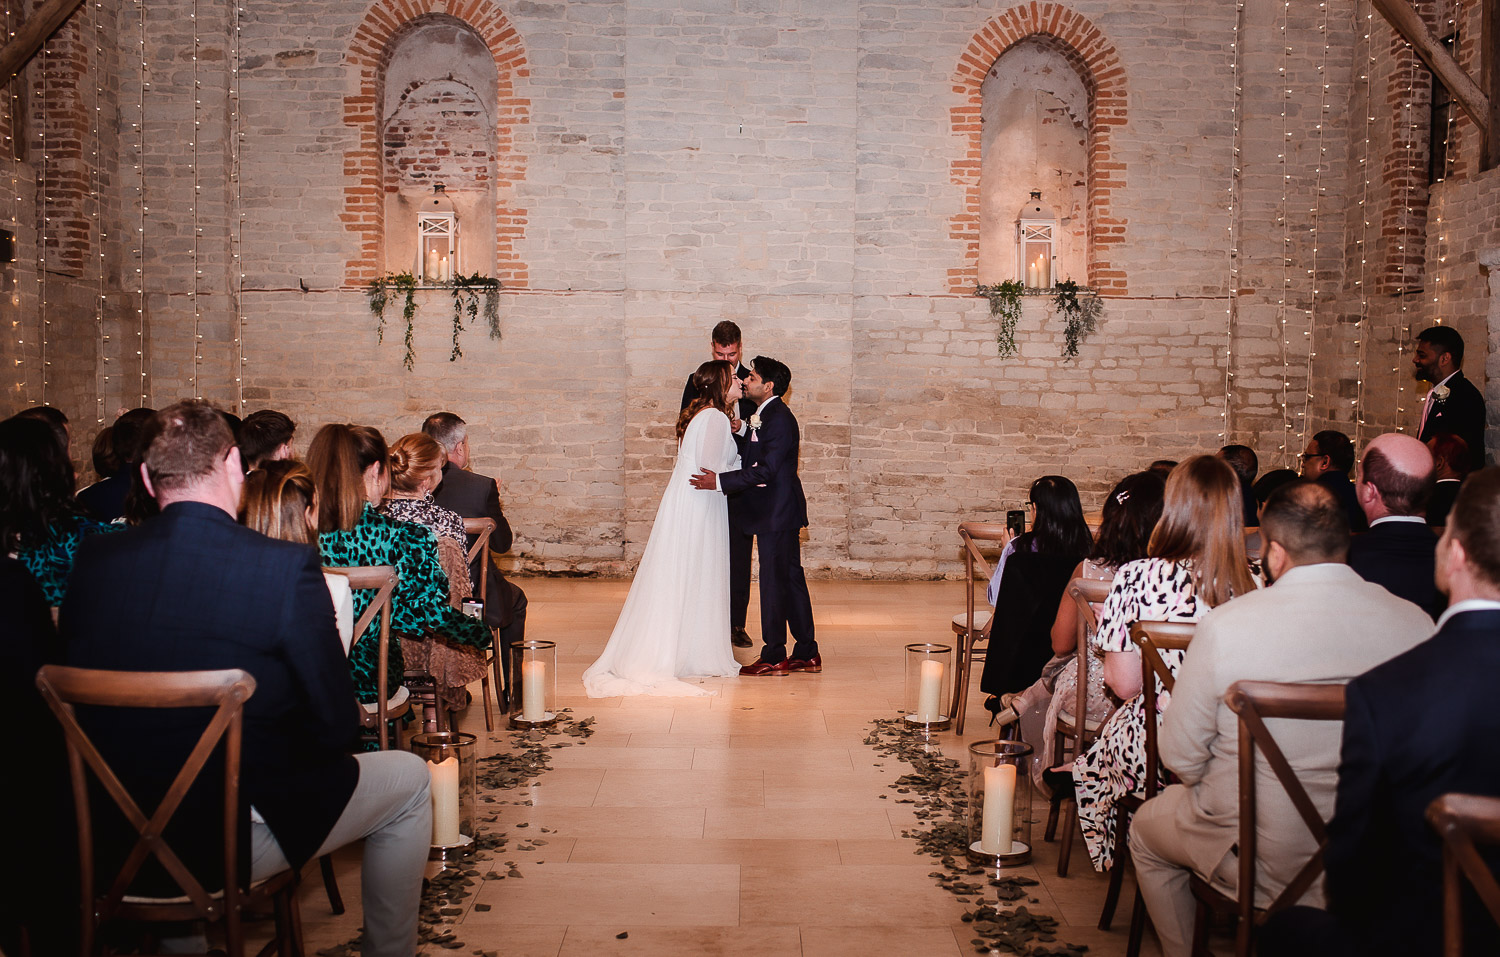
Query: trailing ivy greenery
[[465, 291], [1080, 314], [1005, 305]]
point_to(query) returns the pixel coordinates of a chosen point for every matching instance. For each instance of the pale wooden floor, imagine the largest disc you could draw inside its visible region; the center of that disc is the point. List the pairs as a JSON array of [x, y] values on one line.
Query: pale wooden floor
[[750, 823]]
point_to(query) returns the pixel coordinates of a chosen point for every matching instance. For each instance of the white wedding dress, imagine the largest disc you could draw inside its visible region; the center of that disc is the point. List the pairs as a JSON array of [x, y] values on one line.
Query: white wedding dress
[[675, 622]]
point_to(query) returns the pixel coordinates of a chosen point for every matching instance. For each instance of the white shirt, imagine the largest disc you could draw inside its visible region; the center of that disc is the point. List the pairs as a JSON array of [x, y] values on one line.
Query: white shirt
[[1414, 519], [758, 409]]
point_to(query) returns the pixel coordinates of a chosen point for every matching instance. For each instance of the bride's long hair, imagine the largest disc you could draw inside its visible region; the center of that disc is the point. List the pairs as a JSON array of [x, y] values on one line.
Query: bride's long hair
[[712, 384]]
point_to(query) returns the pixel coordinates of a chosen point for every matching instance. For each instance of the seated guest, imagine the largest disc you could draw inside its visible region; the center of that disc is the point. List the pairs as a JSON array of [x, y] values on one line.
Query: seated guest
[[265, 436], [1328, 459], [351, 466], [191, 590], [1197, 562], [416, 469], [1163, 467], [101, 456], [40, 521], [1130, 514], [281, 501], [1318, 623], [56, 421], [1396, 760], [105, 499], [1451, 455], [1031, 583], [472, 495], [1242, 459], [1270, 482], [1398, 551]]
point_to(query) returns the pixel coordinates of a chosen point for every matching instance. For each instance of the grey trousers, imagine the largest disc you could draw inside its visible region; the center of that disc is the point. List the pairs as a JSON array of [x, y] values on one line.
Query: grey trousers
[[392, 811]]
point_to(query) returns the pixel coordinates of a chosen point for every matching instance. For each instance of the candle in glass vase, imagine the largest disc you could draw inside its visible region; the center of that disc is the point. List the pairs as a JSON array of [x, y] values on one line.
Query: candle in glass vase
[[999, 809], [433, 268], [533, 690], [929, 691], [444, 801], [1044, 271], [1031, 276]]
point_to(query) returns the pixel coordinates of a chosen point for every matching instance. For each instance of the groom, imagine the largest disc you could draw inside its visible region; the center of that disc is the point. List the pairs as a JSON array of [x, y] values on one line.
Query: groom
[[775, 511]]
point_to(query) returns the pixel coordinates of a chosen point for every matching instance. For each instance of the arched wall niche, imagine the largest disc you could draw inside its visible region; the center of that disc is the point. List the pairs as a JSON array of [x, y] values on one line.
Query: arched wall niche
[[403, 92], [1035, 138], [1072, 38]]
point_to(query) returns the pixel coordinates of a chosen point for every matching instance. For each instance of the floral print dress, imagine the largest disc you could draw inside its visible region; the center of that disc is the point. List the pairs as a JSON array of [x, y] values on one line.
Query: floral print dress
[[1152, 589], [420, 605], [51, 560]]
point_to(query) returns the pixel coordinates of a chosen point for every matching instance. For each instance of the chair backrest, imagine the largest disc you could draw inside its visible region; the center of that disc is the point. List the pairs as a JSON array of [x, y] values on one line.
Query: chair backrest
[[1151, 638], [1086, 593], [226, 692], [1464, 820], [481, 529], [976, 564], [1254, 702], [1253, 542], [383, 579]]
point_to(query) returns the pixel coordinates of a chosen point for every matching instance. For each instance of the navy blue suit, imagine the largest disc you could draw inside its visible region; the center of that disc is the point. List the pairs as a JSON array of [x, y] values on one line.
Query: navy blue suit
[[1399, 557], [192, 590], [1462, 414], [774, 509]]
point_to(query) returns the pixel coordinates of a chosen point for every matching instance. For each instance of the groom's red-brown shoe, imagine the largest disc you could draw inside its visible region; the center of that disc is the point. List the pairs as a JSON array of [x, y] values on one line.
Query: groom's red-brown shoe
[[811, 666], [761, 669]]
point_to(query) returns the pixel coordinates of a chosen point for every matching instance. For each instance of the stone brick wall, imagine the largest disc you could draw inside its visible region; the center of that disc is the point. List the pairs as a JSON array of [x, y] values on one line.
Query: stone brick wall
[[810, 171]]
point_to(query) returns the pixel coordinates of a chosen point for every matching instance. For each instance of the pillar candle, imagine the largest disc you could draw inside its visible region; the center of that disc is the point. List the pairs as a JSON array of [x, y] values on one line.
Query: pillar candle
[[999, 808], [1031, 277], [444, 801], [929, 691], [433, 266], [447, 269], [533, 690], [1044, 271]]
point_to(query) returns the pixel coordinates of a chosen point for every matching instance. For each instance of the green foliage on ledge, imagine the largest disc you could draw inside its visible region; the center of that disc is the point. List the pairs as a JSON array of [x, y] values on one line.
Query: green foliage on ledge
[[1080, 308], [1005, 305], [465, 291]]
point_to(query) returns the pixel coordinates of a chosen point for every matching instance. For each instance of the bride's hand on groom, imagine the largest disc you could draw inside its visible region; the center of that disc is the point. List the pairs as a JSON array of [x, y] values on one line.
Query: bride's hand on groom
[[706, 479]]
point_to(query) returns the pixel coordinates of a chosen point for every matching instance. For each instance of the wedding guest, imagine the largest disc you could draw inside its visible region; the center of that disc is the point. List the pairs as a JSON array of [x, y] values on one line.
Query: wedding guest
[[265, 436], [1242, 459], [40, 521], [1328, 460], [1399, 551], [1318, 624], [1197, 561], [56, 420], [1270, 482], [416, 469], [351, 466], [1450, 454], [1031, 581], [1454, 405], [101, 455], [280, 500], [1163, 467], [105, 499]]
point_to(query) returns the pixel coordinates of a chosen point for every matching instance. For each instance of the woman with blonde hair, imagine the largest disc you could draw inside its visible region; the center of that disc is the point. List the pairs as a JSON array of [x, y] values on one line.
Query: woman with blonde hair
[[675, 622], [280, 500], [1196, 562], [351, 465]]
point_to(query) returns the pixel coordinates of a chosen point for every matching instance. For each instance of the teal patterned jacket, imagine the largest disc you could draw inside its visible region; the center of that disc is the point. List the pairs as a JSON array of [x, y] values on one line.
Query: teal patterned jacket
[[419, 605], [51, 562]]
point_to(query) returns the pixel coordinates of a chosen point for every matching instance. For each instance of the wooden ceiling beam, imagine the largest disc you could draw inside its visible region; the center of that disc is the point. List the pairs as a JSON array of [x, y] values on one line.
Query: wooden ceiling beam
[[33, 33]]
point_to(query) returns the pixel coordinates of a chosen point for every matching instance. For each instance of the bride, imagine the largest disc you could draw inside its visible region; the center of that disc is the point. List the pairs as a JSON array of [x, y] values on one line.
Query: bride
[[675, 622]]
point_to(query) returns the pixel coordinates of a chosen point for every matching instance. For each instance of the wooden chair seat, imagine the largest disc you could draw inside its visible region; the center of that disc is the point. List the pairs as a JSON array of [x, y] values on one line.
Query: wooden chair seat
[[393, 704], [961, 623]]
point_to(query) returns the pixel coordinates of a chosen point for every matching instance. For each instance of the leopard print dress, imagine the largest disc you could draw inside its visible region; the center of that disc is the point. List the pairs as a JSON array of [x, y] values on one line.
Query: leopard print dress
[[420, 606]]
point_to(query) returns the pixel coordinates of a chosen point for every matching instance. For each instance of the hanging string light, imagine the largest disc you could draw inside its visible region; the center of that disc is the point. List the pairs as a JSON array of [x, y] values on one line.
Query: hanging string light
[[1441, 175], [140, 233], [101, 365], [236, 144], [197, 230], [1409, 166], [1231, 308], [22, 386], [1284, 76], [43, 219], [1361, 324], [1315, 213]]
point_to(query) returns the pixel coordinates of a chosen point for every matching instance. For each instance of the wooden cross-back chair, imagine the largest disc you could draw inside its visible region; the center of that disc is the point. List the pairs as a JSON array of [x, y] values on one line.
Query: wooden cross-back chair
[[388, 706], [1074, 733], [1254, 702], [1464, 821], [972, 627], [226, 692], [482, 529]]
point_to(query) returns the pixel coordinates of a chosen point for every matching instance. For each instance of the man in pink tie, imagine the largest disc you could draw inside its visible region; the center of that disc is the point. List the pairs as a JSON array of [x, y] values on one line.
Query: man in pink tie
[[1454, 405]]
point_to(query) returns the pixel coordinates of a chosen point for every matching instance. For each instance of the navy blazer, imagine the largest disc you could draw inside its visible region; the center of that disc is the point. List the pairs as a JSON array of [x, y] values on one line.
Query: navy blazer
[[192, 590], [768, 485], [1462, 414], [1420, 725], [472, 495], [1399, 557]]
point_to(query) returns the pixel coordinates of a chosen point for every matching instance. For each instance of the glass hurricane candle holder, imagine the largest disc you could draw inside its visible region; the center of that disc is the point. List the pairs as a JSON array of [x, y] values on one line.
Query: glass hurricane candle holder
[[929, 684], [451, 758], [999, 803], [535, 706]]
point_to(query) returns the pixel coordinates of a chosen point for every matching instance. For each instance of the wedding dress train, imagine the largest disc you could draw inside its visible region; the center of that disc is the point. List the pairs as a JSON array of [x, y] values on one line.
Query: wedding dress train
[[675, 622]]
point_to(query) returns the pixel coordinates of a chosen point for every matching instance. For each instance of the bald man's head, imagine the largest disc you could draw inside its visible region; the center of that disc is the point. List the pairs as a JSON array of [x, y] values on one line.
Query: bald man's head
[[1400, 469]]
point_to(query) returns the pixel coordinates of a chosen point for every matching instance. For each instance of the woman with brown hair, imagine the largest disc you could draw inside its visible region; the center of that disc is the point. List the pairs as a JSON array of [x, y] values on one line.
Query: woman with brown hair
[[675, 622], [1197, 561], [351, 466], [281, 501]]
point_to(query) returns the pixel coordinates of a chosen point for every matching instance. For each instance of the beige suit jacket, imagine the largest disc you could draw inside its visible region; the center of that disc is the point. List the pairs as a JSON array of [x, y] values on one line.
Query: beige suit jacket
[[1317, 623]]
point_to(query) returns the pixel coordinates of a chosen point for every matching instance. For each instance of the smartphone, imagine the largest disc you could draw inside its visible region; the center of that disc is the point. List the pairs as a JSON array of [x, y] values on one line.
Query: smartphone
[[473, 607], [1015, 520]]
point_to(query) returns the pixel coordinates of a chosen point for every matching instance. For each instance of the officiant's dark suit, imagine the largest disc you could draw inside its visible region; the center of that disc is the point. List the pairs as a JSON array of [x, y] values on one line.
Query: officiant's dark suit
[[1461, 413], [740, 539], [774, 509]]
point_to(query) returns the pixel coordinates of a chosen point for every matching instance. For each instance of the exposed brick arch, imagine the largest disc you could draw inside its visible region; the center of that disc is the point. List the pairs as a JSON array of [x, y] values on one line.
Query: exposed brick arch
[[369, 54], [1085, 47]]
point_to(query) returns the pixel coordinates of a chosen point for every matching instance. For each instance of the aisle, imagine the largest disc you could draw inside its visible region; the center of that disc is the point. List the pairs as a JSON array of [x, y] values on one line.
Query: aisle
[[750, 823]]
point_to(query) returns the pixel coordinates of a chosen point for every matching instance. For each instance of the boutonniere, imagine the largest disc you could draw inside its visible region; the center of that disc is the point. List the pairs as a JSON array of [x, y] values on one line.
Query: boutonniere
[[1439, 393], [755, 422]]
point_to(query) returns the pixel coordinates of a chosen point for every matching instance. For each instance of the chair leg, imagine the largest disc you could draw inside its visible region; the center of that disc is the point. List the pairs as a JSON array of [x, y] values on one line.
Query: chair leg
[[1137, 925], [961, 684], [503, 690], [484, 692], [1116, 872], [1203, 919], [1054, 806], [1070, 824], [331, 884]]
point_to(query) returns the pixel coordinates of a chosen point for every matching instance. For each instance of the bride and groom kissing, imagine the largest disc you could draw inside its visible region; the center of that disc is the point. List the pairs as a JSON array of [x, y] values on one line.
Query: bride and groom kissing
[[676, 620]]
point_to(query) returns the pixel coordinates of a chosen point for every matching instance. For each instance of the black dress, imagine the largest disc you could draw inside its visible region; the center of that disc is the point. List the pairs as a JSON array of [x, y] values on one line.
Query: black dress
[[1025, 607]]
